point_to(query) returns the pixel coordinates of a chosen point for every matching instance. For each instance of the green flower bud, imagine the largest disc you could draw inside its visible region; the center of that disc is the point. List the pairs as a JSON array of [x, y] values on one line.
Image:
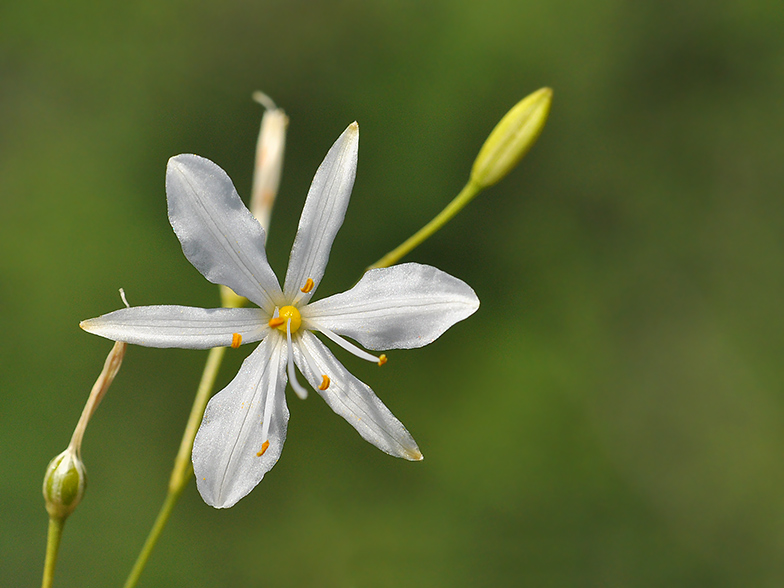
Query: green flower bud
[[511, 138], [64, 484]]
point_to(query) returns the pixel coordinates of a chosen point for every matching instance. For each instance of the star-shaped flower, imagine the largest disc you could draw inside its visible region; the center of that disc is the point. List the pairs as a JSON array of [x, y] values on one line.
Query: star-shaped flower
[[244, 425]]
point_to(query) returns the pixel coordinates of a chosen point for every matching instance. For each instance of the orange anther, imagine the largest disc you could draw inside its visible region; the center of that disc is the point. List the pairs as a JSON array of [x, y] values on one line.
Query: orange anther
[[382, 359], [276, 322], [308, 286], [324, 382], [236, 340], [264, 447]]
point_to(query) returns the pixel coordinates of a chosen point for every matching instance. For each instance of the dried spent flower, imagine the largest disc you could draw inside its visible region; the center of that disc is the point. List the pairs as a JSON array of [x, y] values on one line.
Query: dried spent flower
[[66, 476]]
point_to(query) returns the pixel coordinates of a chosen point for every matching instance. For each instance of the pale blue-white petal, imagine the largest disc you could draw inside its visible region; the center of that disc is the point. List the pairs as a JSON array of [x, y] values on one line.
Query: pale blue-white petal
[[352, 399], [400, 307], [322, 216], [180, 326], [226, 460], [219, 236]]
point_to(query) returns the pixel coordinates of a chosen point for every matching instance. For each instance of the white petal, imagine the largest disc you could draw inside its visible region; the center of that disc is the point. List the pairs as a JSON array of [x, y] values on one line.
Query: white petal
[[180, 326], [352, 399], [400, 307], [219, 236], [322, 216], [225, 452]]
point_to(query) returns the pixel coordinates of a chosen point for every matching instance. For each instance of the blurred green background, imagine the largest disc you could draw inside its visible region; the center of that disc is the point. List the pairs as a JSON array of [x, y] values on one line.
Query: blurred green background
[[612, 415]]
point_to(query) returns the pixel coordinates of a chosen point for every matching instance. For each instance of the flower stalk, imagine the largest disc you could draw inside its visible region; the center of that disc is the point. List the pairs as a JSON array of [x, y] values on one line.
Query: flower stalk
[[182, 470], [506, 145], [66, 477], [53, 538], [468, 193], [266, 179]]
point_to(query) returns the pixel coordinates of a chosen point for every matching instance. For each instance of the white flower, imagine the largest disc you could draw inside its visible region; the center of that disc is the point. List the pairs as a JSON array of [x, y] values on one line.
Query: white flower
[[244, 426]]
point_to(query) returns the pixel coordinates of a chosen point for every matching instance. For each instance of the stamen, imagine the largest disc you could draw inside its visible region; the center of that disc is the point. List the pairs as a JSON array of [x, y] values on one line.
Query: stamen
[[275, 322], [296, 386], [236, 340], [264, 447], [314, 368], [308, 286], [350, 347], [266, 416]]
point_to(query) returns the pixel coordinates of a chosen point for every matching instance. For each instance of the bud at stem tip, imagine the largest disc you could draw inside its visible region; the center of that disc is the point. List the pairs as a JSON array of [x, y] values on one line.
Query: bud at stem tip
[[511, 139], [64, 484]]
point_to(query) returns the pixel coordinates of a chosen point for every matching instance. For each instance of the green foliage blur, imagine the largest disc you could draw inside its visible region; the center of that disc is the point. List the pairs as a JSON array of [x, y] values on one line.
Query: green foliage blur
[[613, 415]]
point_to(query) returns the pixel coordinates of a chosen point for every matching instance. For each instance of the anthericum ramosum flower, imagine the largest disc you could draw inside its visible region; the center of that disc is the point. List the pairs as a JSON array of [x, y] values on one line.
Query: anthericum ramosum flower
[[244, 425]]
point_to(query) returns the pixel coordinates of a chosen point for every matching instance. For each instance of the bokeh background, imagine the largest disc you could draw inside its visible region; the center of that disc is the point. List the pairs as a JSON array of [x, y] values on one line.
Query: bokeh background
[[613, 415]]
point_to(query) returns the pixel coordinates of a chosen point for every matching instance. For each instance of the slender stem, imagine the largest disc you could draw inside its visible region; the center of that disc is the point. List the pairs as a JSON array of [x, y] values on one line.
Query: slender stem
[[180, 475], [181, 472], [466, 195], [52, 549], [272, 140], [152, 538]]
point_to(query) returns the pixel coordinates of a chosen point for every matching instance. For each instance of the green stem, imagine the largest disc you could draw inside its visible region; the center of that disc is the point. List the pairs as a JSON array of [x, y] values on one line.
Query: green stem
[[53, 538], [466, 195], [152, 538], [181, 472]]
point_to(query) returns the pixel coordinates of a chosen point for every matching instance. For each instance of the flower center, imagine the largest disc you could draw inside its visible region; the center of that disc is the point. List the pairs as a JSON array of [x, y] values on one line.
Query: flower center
[[286, 314]]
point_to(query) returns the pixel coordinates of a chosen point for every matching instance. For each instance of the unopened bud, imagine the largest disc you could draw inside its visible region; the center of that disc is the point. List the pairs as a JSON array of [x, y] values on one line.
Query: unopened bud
[[270, 147], [511, 138], [64, 484], [269, 159]]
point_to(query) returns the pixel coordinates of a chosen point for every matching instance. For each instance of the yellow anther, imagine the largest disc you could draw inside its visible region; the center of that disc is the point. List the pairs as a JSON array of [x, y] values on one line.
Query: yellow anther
[[236, 340], [382, 359], [264, 447], [308, 286], [286, 314], [324, 382]]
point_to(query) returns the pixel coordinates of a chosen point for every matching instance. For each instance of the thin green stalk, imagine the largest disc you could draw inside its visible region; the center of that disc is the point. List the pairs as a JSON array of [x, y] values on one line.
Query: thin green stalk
[[152, 538], [182, 463], [466, 195], [181, 472], [53, 537]]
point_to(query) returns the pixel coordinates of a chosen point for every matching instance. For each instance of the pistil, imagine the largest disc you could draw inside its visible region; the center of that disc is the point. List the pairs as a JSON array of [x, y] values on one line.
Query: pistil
[[285, 315]]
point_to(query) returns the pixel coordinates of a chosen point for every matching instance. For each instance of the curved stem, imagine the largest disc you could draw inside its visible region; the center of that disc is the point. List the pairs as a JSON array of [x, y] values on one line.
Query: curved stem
[[181, 472], [53, 537], [466, 195]]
